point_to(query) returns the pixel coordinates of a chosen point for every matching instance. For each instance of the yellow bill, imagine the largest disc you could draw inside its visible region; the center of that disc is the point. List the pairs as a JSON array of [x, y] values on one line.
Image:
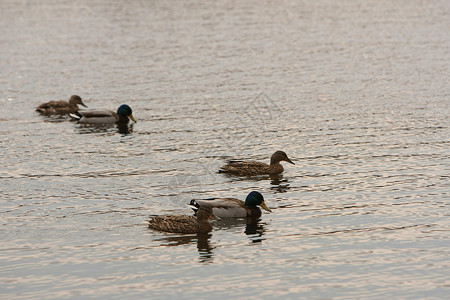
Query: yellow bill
[[265, 207]]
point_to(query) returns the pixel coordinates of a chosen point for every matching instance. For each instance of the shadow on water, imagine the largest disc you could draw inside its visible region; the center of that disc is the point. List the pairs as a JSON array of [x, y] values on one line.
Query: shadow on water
[[204, 248]]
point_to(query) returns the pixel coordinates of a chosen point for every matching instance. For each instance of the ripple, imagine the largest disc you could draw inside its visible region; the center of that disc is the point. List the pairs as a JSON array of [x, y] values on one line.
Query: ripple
[[357, 97]]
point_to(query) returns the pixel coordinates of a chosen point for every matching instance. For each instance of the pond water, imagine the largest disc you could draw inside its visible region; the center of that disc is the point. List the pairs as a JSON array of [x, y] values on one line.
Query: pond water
[[356, 93]]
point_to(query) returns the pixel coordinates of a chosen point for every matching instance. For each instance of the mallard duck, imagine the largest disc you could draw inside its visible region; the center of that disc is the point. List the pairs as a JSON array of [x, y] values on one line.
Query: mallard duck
[[123, 116], [232, 207], [60, 107], [184, 224], [251, 168]]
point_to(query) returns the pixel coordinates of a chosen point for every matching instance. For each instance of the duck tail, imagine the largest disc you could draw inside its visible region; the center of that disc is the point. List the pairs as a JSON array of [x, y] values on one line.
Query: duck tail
[[44, 109], [76, 116], [194, 206]]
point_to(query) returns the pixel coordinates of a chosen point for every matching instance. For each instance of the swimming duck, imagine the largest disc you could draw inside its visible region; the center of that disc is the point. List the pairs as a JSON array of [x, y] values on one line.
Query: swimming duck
[[231, 207], [251, 168], [60, 107], [184, 224], [123, 116]]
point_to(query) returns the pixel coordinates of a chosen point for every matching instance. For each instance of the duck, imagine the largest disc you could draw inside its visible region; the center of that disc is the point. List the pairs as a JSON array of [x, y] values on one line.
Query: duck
[[123, 116], [232, 207], [60, 107], [252, 168], [184, 223]]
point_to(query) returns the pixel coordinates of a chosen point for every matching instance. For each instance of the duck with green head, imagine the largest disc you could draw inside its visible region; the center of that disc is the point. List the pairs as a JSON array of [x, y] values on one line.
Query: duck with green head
[[232, 207], [123, 116], [60, 107], [253, 168], [182, 223]]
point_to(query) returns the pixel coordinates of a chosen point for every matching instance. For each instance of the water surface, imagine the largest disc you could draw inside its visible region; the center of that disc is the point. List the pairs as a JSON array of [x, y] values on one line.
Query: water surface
[[356, 94]]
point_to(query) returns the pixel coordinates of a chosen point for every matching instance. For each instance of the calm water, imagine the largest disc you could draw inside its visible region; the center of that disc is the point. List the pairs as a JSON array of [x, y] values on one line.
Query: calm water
[[356, 92]]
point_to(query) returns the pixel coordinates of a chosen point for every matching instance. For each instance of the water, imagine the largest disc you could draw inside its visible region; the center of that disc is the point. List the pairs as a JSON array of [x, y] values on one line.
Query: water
[[356, 94]]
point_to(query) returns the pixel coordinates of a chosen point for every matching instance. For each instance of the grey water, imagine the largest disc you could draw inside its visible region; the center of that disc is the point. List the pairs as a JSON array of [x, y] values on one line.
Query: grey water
[[355, 92]]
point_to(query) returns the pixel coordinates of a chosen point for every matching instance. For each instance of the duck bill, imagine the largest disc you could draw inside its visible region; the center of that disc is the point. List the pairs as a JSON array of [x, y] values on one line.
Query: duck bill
[[132, 118], [290, 161], [265, 207], [83, 104]]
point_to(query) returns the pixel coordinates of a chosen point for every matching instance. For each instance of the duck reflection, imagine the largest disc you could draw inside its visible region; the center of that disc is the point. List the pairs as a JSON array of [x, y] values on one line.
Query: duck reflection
[[55, 119], [125, 129], [105, 128], [253, 228], [204, 248], [231, 224], [279, 184]]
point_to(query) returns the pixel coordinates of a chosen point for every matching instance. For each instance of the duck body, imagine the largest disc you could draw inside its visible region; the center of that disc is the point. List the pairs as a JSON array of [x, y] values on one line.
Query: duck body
[[97, 117], [253, 168], [122, 116], [182, 223], [232, 207], [60, 107]]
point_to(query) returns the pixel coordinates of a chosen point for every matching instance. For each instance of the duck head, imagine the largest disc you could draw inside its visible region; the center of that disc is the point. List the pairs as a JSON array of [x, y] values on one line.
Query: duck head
[[75, 99], [255, 198], [280, 156], [204, 213], [125, 111]]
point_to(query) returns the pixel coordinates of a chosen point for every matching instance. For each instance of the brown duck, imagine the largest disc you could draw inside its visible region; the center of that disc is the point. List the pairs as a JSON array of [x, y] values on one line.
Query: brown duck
[[252, 168], [184, 224], [60, 107]]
